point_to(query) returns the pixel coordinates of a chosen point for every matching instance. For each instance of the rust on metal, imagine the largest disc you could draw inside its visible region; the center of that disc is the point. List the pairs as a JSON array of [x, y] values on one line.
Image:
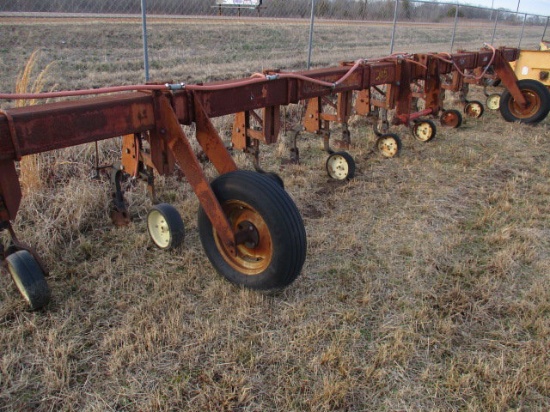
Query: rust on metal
[[240, 126], [508, 77], [362, 102], [156, 116], [130, 156], [312, 118], [13, 133], [183, 152], [10, 191], [211, 143], [84, 121], [271, 123]]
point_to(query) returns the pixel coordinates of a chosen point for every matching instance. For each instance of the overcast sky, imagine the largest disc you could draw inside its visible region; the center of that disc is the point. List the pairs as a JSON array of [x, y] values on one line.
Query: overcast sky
[[541, 7]]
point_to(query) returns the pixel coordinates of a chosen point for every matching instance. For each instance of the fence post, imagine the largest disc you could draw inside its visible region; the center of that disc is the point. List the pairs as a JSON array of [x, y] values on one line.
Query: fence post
[[454, 28], [522, 29], [394, 24], [311, 24], [494, 29], [545, 27], [144, 35]]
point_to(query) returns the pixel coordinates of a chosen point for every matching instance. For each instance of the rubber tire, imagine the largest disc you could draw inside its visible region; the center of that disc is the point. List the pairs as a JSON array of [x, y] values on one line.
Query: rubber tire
[[174, 223], [506, 100], [350, 164], [282, 219], [29, 278], [481, 109], [456, 113], [276, 178], [432, 125], [397, 141]]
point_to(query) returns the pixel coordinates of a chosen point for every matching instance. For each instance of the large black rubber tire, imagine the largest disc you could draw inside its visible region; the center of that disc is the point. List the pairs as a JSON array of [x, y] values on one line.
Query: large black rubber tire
[[29, 278], [277, 258], [276, 178], [165, 226], [537, 95]]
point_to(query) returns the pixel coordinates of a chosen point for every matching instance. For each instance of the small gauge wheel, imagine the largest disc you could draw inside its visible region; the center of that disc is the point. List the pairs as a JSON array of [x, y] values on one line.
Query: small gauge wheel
[[29, 278], [474, 109], [493, 101], [165, 226], [424, 130], [340, 166], [389, 145], [450, 118]]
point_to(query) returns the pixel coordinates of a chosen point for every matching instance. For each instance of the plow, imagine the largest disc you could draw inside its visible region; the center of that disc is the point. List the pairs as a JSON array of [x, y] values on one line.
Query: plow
[[250, 228]]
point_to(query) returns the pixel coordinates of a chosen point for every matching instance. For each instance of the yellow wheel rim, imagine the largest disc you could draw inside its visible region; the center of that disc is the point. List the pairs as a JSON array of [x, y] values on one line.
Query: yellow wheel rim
[[423, 131], [337, 167], [388, 146], [493, 101], [159, 229], [249, 260]]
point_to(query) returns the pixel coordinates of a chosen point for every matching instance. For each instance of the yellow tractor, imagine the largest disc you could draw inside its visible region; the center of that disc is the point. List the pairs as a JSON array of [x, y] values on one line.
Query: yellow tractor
[[534, 64], [532, 68]]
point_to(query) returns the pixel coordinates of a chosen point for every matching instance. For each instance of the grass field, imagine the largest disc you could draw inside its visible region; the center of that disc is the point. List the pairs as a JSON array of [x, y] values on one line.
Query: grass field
[[426, 284]]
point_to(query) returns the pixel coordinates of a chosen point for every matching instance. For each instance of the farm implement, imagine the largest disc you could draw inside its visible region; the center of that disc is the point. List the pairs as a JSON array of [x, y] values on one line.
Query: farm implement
[[250, 228], [532, 69]]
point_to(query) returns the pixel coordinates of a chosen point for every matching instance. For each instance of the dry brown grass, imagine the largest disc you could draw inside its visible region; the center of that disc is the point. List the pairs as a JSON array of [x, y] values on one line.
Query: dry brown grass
[[32, 168], [426, 287]]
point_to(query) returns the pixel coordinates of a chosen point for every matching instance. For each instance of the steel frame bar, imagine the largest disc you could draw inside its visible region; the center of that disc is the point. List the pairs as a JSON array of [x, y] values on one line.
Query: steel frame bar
[[158, 115], [464, 68]]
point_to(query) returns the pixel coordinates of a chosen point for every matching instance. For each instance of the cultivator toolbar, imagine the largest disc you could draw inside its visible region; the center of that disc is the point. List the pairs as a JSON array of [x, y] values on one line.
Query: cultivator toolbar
[[250, 228]]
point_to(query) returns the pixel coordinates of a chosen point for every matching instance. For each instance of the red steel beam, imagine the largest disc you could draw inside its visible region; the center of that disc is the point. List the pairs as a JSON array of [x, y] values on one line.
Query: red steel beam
[[52, 126]]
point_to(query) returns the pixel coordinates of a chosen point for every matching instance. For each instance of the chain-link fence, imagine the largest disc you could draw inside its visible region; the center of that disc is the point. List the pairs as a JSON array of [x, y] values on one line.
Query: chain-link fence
[[93, 43], [377, 10]]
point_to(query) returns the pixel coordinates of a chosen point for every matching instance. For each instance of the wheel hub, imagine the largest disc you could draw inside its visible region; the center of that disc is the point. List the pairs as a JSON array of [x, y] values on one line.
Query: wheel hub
[[254, 245], [247, 235], [449, 119], [533, 104], [473, 110], [388, 147], [338, 167], [423, 131], [159, 230], [493, 101]]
